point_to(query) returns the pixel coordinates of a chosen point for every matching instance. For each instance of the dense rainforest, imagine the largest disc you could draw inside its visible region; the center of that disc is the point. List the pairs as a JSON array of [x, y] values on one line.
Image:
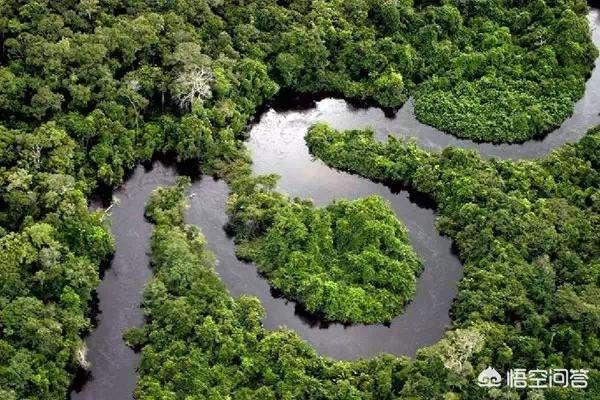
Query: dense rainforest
[[529, 296], [350, 261], [527, 232], [90, 88]]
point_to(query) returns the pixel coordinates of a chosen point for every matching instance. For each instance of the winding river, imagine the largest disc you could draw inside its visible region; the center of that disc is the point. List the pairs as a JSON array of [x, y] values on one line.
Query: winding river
[[341, 115], [277, 146]]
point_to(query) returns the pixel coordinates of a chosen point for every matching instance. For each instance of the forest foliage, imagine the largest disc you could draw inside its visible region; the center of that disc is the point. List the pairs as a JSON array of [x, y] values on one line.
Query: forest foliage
[[201, 343], [199, 340], [349, 261], [527, 232], [88, 89], [505, 74], [51, 249]]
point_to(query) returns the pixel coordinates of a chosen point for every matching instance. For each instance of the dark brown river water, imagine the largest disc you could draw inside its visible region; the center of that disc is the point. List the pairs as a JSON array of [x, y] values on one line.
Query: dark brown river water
[[277, 146]]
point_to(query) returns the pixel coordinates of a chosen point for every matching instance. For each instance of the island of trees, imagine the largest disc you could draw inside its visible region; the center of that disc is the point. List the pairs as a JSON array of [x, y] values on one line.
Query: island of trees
[[350, 261]]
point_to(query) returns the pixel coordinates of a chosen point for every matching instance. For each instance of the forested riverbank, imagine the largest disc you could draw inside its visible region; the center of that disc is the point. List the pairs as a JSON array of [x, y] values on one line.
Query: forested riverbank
[[222, 338], [526, 231], [91, 89]]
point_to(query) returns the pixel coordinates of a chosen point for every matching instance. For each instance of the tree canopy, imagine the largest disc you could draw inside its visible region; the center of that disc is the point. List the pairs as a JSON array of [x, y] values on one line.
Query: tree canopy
[[201, 342], [525, 230], [89, 88], [350, 261]]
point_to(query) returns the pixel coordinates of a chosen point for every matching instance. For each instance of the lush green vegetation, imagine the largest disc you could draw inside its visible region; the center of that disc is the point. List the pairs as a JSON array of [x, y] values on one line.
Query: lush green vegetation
[[51, 248], [350, 261], [121, 79], [512, 70], [88, 89], [527, 232], [201, 343]]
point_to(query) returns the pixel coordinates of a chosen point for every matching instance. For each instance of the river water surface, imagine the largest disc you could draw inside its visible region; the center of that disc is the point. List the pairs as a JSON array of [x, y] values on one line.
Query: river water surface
[[277, 146], [113, 375]]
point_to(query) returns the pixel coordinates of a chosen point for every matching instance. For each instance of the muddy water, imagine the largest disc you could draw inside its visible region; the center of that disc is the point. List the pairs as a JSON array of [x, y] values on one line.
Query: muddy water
[[277, 146]]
